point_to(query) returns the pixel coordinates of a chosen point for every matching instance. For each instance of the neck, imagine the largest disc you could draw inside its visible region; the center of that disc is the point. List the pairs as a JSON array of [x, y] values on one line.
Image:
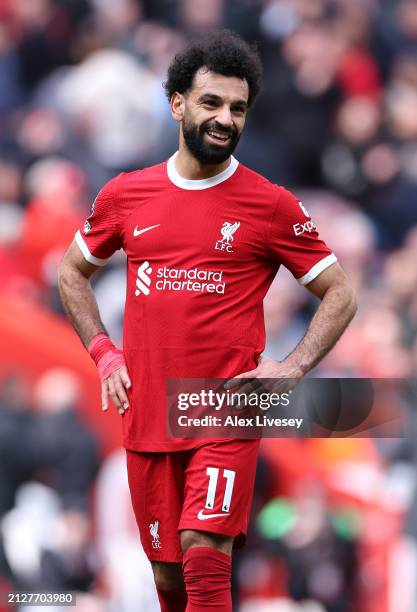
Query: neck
[[190, 168]]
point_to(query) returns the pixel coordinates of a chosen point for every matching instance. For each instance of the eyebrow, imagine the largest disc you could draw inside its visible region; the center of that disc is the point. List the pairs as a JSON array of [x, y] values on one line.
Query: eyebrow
[[215, 98]]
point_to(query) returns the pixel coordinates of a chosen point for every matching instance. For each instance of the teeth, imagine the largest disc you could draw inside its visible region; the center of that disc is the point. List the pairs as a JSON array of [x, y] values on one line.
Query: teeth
[[217, 135]]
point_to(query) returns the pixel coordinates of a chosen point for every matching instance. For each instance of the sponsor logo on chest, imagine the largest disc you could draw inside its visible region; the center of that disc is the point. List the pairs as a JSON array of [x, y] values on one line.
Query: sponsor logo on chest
[[194, 280]]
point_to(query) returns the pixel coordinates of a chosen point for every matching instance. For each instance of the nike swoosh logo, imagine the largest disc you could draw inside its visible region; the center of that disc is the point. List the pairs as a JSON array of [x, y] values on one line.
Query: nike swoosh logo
[[202, 517], [137, 232]]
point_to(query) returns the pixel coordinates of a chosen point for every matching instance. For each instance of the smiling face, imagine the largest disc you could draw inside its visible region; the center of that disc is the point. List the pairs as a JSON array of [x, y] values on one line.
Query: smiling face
[[212, 115]]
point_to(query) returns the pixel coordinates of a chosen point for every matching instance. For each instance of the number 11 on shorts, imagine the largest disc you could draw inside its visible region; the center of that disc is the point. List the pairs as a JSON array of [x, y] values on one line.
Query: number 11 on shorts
[[213, 474]]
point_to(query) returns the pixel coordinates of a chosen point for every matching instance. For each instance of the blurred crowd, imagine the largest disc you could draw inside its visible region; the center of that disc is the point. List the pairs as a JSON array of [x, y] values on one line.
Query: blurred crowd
[[81, 99]]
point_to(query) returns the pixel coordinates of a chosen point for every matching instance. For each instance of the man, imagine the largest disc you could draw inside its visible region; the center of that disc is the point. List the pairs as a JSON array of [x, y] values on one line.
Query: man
[[204, 237]]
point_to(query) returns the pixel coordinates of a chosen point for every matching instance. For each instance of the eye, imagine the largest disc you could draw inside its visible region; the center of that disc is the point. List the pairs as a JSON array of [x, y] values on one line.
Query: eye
[[208, 104]]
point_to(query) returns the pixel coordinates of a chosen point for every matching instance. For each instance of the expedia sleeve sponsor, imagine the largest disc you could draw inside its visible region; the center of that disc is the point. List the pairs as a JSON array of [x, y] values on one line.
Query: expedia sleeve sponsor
[[301, 228], [294, 242]]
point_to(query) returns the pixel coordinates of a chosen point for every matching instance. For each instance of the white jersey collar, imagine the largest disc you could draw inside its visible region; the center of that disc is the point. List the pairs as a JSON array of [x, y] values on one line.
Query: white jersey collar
[[179, 181]]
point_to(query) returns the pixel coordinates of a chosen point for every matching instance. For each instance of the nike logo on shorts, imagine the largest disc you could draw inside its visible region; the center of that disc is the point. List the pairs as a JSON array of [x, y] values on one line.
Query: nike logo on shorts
[[137, 232], [202, 517]]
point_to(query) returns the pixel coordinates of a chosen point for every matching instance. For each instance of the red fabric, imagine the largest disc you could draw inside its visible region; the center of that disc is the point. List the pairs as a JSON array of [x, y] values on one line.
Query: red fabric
[[107, 357], [207, 574], [358, 75], [194, 300], [24, 325], [169, 493], [174, 600], [46, 233]]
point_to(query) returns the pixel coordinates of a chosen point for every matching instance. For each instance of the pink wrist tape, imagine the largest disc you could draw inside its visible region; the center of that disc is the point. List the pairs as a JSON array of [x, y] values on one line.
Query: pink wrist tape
[[107, 357]]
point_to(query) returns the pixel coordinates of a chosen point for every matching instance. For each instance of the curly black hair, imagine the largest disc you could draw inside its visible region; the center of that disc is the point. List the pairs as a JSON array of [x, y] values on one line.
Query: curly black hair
[[222, 52]]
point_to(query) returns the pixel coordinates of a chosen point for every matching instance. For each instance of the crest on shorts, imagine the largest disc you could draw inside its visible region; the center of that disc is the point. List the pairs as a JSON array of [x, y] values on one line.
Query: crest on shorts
[[153, 528]]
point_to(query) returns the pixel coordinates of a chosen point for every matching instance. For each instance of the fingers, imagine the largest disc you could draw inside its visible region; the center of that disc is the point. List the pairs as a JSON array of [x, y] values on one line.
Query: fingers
[[236, 381], [115, 386], [250, 386], [125, 377], [123, 402], [104, 394]]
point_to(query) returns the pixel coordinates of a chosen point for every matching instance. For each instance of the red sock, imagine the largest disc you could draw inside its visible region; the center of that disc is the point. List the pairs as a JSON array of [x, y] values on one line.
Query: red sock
[[174, 600], [207, 574]]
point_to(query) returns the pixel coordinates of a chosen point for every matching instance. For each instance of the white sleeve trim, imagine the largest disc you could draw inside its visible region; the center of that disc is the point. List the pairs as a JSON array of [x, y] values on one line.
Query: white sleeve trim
[[317, 269], [86, 252]]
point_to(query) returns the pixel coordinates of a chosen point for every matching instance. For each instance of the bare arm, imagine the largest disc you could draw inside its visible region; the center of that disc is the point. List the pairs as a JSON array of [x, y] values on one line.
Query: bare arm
[[81, 307], [336, 310], [77, 295]]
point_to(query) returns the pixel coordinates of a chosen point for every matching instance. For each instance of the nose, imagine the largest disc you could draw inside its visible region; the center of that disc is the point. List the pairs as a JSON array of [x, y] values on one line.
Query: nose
[[224, 117]]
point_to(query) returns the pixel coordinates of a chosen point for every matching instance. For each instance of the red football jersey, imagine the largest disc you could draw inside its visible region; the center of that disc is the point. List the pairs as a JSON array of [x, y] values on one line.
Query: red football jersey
[[201, 255]]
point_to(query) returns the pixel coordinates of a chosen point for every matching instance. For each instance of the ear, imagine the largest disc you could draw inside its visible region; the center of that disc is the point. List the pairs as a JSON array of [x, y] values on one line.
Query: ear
[[177, 105]]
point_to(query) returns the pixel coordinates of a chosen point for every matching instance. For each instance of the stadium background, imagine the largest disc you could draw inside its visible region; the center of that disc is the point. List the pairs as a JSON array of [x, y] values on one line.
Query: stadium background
[[334, 522]]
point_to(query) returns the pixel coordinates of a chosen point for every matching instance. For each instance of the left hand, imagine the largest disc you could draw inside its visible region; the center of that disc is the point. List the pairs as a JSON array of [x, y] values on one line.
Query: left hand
[[285, 377]]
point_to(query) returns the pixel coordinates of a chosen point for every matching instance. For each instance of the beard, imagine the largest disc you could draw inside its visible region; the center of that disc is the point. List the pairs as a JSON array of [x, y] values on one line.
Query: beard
[[207, 152]]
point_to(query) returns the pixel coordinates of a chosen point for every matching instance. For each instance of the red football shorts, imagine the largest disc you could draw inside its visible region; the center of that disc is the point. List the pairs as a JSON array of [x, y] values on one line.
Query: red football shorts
[[208, 488]]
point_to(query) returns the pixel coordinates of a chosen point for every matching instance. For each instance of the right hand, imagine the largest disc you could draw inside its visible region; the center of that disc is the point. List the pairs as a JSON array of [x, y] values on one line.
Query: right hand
[[113, 373], [115, 386]]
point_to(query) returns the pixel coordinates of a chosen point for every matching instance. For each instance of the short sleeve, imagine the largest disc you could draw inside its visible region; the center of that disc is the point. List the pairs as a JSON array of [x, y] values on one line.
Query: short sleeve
[[294, 241], [100, 236]]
